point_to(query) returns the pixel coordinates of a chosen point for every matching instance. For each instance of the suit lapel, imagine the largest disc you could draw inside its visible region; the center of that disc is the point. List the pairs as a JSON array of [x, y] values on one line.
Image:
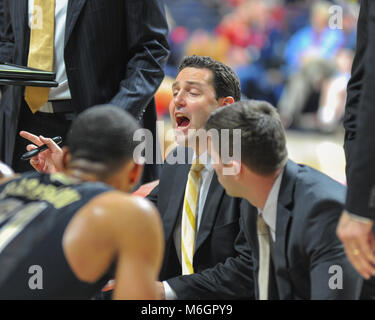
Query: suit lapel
[[249, 215], [210, 210], [281, 261], [174, 206], [283, 220], [73, 11]]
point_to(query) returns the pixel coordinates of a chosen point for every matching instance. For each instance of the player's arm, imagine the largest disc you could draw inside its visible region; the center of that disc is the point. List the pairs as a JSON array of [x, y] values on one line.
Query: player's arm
[[140, 252], [117, 227]]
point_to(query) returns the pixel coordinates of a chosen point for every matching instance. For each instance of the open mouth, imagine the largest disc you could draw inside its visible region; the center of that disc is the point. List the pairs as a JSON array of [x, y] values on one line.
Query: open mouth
[[182, 121]]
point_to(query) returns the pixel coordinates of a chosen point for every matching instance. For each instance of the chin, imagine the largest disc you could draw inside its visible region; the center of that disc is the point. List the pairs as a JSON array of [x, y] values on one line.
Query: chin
[[230, 193], [234, 191]]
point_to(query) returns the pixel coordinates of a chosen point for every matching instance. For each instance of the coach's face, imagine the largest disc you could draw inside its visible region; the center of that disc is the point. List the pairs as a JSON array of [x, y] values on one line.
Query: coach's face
[[194, 99]]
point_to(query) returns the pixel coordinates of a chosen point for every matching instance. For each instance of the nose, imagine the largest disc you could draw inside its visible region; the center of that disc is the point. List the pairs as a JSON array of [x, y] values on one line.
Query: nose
[[179, 100]]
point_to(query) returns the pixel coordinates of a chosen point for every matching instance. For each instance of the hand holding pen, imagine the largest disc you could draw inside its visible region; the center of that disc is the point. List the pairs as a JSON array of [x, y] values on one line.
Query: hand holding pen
[[49, 160]]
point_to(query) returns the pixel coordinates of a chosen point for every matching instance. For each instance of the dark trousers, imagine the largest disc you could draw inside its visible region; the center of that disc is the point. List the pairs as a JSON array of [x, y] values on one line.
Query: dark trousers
[[48, 125]]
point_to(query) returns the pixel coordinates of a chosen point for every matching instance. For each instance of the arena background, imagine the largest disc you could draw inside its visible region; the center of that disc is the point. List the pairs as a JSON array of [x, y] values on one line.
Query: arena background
[[297, 51]]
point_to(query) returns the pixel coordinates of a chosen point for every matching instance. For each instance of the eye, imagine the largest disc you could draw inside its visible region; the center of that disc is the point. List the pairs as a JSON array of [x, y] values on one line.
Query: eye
[[194, 93]]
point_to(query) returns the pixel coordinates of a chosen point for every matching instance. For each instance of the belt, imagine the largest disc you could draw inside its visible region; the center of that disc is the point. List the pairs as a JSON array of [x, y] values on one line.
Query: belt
[[57, 106]]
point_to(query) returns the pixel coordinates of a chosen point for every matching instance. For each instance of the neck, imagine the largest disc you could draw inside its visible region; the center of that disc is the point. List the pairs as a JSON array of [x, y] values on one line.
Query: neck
[[258, 195], [81, 175], [85, 170]]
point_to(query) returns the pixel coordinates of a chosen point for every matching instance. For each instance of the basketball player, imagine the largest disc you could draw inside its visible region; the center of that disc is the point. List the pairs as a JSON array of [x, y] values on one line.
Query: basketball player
[[64, 235]]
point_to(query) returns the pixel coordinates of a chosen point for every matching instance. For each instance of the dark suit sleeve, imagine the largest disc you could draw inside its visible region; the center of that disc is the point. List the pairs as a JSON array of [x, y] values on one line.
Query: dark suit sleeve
[[147, 33], [232, 279], [6, 33], [355, 86], [332, 277], [361, 180]]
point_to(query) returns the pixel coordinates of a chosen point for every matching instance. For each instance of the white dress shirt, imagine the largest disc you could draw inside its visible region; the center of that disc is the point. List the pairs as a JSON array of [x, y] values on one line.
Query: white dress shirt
[[269, 211], [206, 178], [61, 92]]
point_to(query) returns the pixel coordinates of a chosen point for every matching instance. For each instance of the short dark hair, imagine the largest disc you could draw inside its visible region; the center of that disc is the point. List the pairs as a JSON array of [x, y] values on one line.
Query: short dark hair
[[225, 81], [263, 140], [103, 134]]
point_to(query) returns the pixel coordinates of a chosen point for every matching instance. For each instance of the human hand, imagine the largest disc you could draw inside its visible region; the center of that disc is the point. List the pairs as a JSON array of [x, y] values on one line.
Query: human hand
[[359, 243], [48, 161]]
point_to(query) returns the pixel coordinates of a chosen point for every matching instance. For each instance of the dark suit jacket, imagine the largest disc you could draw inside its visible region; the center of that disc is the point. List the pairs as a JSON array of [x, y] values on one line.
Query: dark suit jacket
[[360, 117], [218, 248], [306, 246], [115, 51]]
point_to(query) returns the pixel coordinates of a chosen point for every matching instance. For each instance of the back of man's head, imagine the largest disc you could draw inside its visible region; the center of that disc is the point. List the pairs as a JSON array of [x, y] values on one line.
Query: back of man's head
[[103, 135], [263, 141], [225, 80]]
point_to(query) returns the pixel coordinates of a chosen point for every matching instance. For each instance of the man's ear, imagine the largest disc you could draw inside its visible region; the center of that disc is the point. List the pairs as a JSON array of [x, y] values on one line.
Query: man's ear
[[66, 157], [233, 168], [135, 173], [225, 101], [237, 167]]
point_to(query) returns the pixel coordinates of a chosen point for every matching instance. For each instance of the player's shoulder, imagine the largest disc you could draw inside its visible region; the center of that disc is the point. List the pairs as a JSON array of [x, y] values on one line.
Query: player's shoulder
[[119, 208]]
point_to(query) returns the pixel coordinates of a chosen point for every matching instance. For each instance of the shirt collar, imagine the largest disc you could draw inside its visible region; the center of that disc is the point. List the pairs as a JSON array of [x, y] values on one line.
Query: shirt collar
[[269, 211]]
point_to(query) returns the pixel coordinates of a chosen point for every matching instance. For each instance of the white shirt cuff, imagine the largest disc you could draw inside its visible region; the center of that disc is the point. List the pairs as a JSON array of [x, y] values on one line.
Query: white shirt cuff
[[169, 292], [359, 218]]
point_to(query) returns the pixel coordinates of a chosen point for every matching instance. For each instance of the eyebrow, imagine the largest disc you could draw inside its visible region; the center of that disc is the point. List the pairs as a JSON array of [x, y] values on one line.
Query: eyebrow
[[189, 83]]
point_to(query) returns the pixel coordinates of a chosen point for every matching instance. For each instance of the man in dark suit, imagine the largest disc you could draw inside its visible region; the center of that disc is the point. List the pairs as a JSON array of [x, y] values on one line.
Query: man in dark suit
[[355, 229], [292, 211], [202, 86], [104, 52]]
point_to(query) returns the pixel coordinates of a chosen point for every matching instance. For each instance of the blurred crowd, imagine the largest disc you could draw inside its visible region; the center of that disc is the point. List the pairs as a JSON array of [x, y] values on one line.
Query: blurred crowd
[[296, 55]]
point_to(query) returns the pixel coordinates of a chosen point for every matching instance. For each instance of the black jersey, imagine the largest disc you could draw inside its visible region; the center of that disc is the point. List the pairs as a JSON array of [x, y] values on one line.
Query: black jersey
[[35, 210]]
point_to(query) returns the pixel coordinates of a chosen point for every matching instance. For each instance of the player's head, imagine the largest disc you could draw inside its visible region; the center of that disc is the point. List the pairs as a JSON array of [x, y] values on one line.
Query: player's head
[[202, 85], [263, 140], [100, 142]]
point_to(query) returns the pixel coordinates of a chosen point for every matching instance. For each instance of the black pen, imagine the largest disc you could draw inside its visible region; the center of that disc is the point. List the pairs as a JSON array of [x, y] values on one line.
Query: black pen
[[34, 152]]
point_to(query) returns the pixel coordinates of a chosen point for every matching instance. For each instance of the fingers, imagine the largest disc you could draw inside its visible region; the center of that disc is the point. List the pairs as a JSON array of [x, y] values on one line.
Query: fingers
[[366, 251], [361, 255], [30, 147], [52, 146], [359, 243], [31, 137], [360, 260]]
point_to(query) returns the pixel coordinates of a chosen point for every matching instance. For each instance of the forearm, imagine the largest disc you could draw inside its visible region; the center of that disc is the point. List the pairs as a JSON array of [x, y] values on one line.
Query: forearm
[[148, 52], [361, 181], [355, 86], [230, 280]]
